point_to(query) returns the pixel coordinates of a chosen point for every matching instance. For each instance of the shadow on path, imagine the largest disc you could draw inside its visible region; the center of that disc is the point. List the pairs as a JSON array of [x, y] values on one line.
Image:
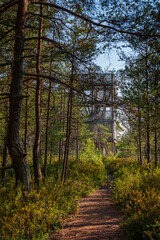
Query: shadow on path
[[97, 219]]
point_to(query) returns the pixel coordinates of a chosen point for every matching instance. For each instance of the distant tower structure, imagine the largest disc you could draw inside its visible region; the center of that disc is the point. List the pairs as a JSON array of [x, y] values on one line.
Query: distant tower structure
[[104, 90]]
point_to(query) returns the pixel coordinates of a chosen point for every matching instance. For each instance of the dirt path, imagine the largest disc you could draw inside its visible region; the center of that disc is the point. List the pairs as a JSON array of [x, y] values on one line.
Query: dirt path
[[97, 219]]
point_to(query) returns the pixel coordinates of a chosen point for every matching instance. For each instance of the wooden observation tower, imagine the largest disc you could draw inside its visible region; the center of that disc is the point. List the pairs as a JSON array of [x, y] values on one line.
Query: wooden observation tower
[[103, 108]]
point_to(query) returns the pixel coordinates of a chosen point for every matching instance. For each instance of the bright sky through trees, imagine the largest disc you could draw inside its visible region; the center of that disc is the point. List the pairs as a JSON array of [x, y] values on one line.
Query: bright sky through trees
[[109, 61]]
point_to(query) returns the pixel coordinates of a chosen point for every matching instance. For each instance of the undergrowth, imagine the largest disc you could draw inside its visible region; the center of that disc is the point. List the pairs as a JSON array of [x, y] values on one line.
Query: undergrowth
[[36, 214], [136, 190]]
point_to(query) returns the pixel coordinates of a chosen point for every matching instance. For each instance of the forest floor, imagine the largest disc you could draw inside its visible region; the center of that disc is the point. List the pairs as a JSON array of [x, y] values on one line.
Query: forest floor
[[97, 218]]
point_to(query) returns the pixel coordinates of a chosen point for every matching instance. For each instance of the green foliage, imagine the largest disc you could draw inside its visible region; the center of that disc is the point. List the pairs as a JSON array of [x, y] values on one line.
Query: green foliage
[[137, 192], [127, 146], [37, 214], [89, 153]]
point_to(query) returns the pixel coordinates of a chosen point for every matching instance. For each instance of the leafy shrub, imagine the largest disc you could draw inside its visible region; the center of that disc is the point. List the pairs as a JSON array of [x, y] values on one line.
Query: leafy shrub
[[137, 192], [89, 153], [36, 214]]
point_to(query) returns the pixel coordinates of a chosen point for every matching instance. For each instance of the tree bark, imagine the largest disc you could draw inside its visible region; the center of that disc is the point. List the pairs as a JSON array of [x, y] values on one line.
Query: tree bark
[[51, 152], [68, 130], [77, 137], [156, 118], [47, 126], [5, 147], [156, 147], [5, 161], [18, 156], [37, 143], [26, 118], [140, 135], [148, 110], [60, 140]]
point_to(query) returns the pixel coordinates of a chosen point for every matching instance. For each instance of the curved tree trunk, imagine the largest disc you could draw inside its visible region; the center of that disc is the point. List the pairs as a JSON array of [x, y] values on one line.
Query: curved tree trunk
[[17, 154]]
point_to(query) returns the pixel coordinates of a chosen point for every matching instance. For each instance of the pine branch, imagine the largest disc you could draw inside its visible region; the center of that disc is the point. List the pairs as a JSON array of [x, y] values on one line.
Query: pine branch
[[86, 18], [4, 7]]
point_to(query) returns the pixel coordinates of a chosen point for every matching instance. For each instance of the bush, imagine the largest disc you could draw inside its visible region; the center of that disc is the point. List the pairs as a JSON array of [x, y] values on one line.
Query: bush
[[136, 190], [37, 214]]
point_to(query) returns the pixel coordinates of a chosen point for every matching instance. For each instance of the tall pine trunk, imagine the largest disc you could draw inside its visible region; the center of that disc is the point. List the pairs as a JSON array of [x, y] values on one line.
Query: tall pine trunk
[[18, 155], [140, 135], [26, 118], [37, 143], [68, 129], [156, 146], [156, 87], [61, 121], [5, 161], [77, 129], [5, 149], [77, 137], [147, 110], [47, 126]]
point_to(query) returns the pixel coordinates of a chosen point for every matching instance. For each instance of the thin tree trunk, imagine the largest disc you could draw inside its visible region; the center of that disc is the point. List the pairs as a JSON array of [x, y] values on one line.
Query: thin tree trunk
[[63, 117], [156, 119], [5, 148], [18, 156], [77, 139], [51, 152], [26, 118], [47, 126], [140, 135], [61, 121], [148, 117], [61, 154], [68, 130], [37, 143], [5, 161], [156, 147], [60, 150]]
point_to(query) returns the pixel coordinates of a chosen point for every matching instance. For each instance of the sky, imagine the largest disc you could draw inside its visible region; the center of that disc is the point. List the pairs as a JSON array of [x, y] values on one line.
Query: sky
[[109, 61]]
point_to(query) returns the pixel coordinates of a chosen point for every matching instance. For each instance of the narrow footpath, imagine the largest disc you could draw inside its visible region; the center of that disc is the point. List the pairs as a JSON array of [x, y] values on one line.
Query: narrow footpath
[[97, 218]]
